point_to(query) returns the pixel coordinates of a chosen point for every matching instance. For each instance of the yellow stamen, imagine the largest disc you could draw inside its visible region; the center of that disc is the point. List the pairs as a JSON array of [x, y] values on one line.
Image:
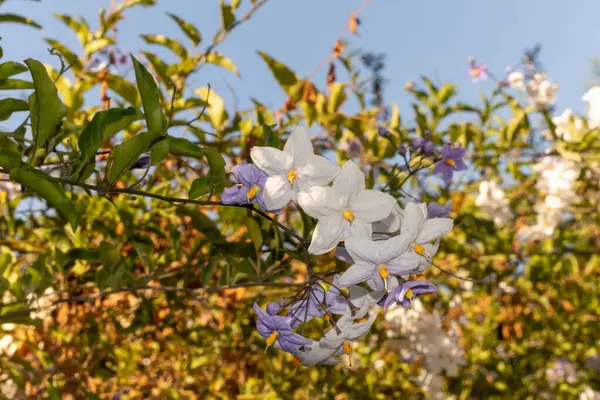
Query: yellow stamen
[[347, 348], [474, 71], [409, 294], [450, 162], [384, 274], [363, 319], [349, 215], [292, 177], [272, 337], [421, 277], [345, 292], [419, 249], [326, 317], [254, 190]]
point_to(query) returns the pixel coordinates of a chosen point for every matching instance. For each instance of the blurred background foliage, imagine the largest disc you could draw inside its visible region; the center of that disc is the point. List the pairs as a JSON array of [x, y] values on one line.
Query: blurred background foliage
[[111, 289]]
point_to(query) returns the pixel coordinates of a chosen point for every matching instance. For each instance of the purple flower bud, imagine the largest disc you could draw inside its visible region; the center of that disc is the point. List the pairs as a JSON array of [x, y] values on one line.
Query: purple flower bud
[[403, 149], [273, 308], [384, 133], [142, 163]]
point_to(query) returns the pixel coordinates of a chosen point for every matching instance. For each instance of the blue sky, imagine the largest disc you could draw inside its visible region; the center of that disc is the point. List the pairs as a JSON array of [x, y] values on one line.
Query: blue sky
[[431, 37]]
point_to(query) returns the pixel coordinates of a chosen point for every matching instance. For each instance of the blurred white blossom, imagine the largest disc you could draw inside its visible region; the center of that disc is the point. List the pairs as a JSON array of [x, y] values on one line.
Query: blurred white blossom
[[493, 202]]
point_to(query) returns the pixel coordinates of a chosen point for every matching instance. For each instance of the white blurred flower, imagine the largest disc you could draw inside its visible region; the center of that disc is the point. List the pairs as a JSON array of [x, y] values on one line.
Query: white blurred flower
[[8, 189], [567, 125], [589, 394], [516, 80], [592, 97], [493, 201], [541, 91]]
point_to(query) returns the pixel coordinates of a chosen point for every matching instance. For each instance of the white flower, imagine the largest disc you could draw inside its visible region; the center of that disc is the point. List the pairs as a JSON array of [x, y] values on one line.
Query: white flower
[[541, 91], [344, 210], [567, 125], [293, 169], [589, 394], [516, 80], [592, 97], [492, 200], [391, 223]]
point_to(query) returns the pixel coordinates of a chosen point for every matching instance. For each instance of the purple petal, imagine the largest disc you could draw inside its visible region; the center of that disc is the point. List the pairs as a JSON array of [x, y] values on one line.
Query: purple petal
[[263, 329], [459, 165], [435, 210], [231, 194], [248, 174], [447, 152], [428, 147], [296, 339], [273, 308]]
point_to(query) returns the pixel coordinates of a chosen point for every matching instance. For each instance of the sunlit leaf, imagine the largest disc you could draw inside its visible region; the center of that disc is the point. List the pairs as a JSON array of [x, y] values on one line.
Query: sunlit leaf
[[222, 61], [285, 76], [9, 106], [169, 43], [19, 20], [188, 29], [150, 97], [127, 153]]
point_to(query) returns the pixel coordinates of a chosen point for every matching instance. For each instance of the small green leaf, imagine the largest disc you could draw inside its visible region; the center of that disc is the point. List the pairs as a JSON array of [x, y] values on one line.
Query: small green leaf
[[52, 192], [169, 43], [336, 97], [80, 27], [15, 84], [155, 119], [285, 76], [9, 106], [19, 20], [159, 66], [9, 159], [254, 232], [47, 110], [105, 125], [188, 29], [227, 17], [96, 45], [125, 89], [127, 153], [271, 138], [10, 68], [183, 147], [222, 61], [159, 151], [216, 112], [200, 187]]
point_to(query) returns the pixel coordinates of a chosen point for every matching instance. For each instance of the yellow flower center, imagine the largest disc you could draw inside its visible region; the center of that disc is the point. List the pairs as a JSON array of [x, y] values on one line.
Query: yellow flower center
[[349, 216], [292, 176], [383, 272], [347, 348], [409, 294], [421, 277], [475, 71], [272, 337], [326, 317], [363, 319], [419, 249], [254, 190], [450, 162]]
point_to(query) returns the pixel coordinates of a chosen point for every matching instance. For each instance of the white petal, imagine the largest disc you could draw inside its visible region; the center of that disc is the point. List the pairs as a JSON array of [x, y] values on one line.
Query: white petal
[[299, 145], [360, 330], [434, 229], [328, 233], [414, 217], [318, 171], [392, 222], [377, 284], [357, 273], [318, 202], [271, 160], [407, 263], [380, 252], [277, 192], [349, 183], [359, 229], [372, 205], [315, 355]]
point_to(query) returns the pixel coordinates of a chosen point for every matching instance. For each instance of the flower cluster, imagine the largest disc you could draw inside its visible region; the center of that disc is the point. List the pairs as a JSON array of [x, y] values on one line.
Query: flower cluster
[[386, 245], [492, 200], [541, 91], [556, 182]]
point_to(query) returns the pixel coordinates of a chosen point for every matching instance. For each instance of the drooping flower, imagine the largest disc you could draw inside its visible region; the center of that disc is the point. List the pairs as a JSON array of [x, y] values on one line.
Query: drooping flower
[[339, 338], [291, 170], [345, 209], [435, 210], [451, 161], [249, 188], [312, 306], [355, 301], [277, 330], [405, 293], [314, 353]]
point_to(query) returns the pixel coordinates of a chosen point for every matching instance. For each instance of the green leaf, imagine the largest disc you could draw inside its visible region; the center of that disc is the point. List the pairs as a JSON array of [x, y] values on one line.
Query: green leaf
[[9, 159], [15, 84], [169, 43], [183, 147], [336, 97], [227, 17], [97, 45], [200, 187], [9, 106], [125, 89], [188, 29], [271, 138], [216, 112], [222, 61], [127, 153], [70, 57], [52, 192], [47, 110], [159, 66], [159, 151], [10, 68], [285, 76], [105, 125], [155, 119], [19, 20], [80, 27], [254, 232]]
